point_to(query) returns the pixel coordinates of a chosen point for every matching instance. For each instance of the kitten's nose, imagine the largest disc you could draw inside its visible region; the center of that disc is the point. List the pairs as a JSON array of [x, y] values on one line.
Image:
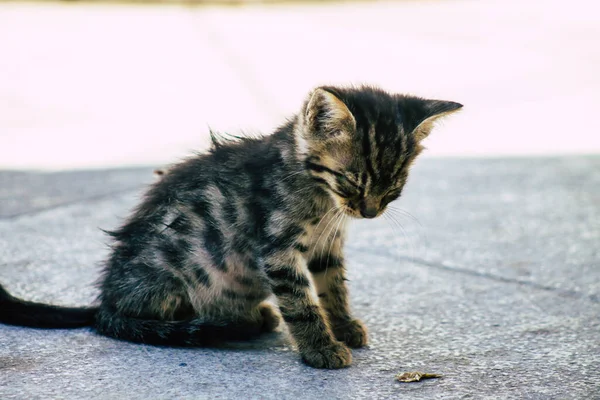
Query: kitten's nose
[[368, 211]]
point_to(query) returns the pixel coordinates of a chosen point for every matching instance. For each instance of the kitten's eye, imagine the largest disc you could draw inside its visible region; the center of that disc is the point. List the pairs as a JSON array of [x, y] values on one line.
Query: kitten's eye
[[347, 187], [392, 195], [352, 182]]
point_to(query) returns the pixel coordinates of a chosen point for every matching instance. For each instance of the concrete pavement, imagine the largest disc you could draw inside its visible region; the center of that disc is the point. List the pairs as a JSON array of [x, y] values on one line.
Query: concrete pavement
[[496, 287]]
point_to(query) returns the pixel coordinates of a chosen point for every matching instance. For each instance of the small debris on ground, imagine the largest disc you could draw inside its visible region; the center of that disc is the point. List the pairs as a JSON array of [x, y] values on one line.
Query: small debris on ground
[[415, 376]]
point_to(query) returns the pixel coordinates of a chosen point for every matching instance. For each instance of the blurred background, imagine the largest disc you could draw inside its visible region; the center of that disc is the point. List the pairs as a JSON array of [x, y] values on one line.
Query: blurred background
[[104, 84]]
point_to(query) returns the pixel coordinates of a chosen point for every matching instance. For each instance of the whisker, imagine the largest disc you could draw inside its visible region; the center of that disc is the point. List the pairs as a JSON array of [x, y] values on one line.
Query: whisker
[[341, 220], [405, 213], [321, 220], [391, 225], [336, 218], [421, 233], [327, 237], [316, 244], [406, 236]]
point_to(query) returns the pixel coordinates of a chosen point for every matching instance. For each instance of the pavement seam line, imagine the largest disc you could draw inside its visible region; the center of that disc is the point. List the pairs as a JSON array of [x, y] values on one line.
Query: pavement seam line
[[465, 271]]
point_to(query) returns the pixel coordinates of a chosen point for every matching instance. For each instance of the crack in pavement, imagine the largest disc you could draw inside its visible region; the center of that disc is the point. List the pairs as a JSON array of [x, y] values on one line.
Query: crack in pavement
[[594, 298]]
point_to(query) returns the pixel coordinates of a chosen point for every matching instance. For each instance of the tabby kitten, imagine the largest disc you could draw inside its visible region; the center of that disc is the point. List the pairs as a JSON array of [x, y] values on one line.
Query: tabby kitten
[[220, 232]]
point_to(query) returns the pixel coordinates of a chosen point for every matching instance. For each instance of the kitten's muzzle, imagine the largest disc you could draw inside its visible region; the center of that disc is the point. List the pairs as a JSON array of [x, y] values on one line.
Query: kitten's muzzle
[[369, 211]]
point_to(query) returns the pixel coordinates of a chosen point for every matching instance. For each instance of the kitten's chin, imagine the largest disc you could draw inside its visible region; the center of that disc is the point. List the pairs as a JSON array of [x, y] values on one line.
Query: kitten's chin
[[352, 213]]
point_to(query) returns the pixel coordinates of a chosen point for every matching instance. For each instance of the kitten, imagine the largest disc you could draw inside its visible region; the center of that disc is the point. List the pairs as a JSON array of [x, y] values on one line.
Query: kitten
[[220, 232]]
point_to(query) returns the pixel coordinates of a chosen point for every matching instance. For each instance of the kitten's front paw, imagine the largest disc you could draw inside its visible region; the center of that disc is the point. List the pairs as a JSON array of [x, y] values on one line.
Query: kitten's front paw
[[353, 333], [335, 355]]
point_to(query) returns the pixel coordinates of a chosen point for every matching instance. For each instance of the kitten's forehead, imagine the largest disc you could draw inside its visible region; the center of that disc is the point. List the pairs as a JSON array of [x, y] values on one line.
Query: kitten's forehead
[[382, 146], [372, 104], [379, 116]]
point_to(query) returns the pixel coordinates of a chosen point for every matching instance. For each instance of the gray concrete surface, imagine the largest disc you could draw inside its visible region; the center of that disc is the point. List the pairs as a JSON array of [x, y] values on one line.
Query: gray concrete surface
[[496, 287]]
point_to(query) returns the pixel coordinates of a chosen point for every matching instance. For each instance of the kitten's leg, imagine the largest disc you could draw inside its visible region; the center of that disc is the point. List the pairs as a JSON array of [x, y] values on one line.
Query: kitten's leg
[[300, 310], [270, 319], [329, 276]]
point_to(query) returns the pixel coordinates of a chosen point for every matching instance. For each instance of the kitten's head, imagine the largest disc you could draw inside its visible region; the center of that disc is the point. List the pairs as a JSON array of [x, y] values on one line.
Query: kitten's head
[[359, 143]]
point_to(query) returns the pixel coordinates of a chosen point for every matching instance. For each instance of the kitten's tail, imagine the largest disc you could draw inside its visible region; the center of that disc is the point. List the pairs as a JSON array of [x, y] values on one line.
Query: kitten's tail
[[14, 311], [19, 312], [192, 332]]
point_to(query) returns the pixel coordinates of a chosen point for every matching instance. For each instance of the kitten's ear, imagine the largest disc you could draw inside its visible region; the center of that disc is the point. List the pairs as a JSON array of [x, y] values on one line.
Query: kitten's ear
[[326, 116], [431, 111]]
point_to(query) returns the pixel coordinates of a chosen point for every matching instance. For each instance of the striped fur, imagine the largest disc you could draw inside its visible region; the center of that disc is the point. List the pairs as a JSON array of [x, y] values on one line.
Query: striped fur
[[220, 232]]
